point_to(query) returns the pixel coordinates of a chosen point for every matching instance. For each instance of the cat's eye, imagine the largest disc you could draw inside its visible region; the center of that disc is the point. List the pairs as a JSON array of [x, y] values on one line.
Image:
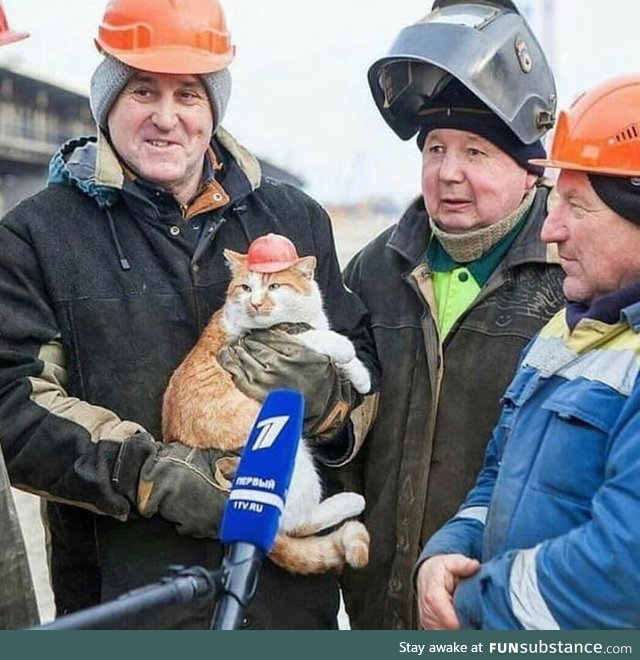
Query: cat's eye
[[246, 288], [274, 286]]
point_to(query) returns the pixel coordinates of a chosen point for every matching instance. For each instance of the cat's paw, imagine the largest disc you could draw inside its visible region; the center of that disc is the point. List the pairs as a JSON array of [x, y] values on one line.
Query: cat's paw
[[335, 346], [355, 541], [358, 374]]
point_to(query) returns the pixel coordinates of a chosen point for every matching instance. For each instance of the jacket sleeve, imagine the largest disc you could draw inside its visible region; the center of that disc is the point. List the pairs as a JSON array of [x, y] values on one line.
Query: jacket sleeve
[[55, 445], [363, 415], [18, 607], [349, 316], [345, 309], [588, 578]]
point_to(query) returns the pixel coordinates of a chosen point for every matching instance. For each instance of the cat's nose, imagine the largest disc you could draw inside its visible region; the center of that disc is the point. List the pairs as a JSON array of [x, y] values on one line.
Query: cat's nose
[[257, 305]]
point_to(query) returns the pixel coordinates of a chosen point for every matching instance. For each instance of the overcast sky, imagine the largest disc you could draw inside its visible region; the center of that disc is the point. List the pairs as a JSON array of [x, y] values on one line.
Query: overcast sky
[[300, 94]]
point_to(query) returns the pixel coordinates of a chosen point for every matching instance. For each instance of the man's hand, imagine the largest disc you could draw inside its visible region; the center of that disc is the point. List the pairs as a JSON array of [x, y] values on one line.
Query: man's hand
[[267, 359], [186, 486], [437, 579]]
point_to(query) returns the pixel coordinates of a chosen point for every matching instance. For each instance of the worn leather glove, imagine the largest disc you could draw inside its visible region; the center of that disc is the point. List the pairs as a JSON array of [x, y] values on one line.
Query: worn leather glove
[[271, 358], [186, 486]]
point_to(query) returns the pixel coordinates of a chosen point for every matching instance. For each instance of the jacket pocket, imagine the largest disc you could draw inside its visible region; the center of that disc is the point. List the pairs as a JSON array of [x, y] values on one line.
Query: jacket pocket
[[572, 457]]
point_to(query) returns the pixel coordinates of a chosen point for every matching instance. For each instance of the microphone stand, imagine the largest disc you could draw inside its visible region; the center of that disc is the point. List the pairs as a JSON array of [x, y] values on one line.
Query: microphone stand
[[240, 570], [181, 586]]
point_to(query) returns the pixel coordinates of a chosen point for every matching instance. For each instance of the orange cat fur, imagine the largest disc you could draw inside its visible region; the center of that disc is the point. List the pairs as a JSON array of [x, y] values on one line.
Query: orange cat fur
[[202, 407]]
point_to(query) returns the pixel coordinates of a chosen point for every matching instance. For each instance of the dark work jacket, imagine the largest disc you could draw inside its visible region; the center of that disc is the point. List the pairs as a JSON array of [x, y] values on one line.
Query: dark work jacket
[[87, 347], [18, 608], [438, 400]]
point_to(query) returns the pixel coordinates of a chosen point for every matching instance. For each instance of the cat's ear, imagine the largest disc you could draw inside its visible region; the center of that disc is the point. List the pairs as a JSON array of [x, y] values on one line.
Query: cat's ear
[[235, 260], [306, 266]]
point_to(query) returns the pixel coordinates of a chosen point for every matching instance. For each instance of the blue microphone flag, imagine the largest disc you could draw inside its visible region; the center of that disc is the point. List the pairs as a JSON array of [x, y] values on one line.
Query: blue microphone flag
[[260, 486]]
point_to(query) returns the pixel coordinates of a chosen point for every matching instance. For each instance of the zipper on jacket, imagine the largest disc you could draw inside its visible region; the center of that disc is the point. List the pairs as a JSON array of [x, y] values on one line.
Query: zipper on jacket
[[209, 230]]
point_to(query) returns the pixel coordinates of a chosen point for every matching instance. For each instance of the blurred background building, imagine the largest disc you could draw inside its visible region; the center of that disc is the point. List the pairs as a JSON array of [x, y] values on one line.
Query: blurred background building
[[35, 118]]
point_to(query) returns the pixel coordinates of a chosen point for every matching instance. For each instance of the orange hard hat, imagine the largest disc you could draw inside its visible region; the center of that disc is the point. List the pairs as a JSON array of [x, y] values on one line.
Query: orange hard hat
[[600, 132], [271, 253], [167, 36], [8, 36]]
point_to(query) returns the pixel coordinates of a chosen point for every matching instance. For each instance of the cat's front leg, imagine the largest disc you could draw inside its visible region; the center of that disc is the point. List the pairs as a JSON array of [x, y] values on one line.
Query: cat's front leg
[[340, 349], [358, 374], [327, 342], [330, 512]]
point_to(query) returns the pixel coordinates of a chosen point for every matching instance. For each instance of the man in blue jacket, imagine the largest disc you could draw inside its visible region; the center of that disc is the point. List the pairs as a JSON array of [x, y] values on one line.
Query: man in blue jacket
[[548, 538]]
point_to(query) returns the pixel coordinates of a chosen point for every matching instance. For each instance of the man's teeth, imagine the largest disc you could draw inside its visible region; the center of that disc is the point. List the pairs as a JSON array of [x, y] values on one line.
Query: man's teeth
[[159, 143]]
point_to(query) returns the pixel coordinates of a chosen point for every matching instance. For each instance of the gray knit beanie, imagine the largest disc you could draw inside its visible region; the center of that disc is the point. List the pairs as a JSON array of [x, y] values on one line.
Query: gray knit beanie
[[111, 76]]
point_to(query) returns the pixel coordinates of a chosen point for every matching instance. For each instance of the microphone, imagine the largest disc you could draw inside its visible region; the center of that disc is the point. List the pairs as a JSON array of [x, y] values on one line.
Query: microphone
[[252, 516]]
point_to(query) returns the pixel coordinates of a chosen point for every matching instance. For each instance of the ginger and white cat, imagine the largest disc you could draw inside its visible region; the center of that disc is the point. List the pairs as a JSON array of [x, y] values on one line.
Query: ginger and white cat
[[203, 408]]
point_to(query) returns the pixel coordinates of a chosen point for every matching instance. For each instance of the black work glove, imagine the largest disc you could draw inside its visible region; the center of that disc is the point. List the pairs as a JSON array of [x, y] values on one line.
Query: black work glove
[[264, 360], [186, 486]]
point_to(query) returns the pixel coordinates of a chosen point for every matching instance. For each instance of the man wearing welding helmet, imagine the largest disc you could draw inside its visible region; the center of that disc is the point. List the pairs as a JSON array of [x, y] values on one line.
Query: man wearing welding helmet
[[458, 286]]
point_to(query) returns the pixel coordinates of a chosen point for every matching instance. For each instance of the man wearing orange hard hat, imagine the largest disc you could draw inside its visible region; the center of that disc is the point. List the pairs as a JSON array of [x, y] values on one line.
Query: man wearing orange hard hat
[[554, 542], [17, 596], [111, 273]]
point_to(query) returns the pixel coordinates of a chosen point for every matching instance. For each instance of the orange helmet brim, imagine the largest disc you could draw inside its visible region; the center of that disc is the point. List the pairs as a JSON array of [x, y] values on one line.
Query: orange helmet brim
[[172, 59], [568, 165]]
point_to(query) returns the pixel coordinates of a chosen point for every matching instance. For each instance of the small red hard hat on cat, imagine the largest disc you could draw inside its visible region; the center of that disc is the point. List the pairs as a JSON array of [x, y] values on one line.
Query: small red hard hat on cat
[[271, 253]]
